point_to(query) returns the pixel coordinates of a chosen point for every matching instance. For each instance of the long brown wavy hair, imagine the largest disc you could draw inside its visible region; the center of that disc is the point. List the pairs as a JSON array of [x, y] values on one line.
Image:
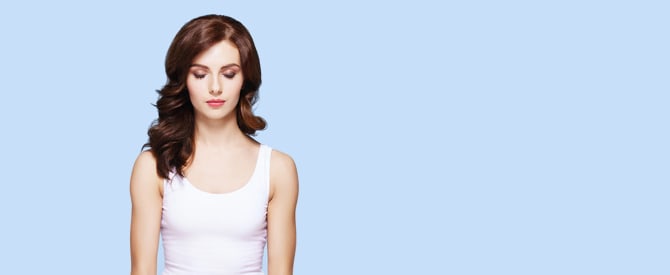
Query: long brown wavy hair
[[171, 136]]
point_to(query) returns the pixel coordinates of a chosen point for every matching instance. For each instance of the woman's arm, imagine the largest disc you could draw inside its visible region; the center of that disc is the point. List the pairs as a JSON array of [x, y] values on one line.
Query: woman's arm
[[146, 215], [281, 214]]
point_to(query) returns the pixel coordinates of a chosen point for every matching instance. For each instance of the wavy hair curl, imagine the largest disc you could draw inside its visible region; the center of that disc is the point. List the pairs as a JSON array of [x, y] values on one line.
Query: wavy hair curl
[[171, 136]]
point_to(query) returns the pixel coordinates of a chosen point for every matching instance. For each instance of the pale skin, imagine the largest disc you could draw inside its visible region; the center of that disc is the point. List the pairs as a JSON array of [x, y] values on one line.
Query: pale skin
[[223, 161]]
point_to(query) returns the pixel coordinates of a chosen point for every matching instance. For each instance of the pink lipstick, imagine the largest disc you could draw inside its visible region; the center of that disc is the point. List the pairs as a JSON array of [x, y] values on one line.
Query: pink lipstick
[[215, 102]]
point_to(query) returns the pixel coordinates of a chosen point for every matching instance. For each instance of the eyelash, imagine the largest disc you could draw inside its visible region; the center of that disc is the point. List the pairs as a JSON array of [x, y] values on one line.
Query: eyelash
[[201, 76]]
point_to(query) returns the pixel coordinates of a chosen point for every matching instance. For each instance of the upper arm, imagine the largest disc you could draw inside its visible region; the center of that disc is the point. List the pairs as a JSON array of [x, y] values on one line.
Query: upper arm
[[146, 214], [281, 214]]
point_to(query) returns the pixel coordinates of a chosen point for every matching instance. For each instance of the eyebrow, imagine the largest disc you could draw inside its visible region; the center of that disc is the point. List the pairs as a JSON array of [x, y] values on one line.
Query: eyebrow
[[222, 67]]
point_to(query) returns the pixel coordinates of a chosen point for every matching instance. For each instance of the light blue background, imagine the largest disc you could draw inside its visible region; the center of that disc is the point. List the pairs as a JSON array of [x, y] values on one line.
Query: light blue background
[[445, 137]]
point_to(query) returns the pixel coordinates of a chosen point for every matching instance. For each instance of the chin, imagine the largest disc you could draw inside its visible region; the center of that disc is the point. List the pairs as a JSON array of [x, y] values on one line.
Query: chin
[[220, 116]]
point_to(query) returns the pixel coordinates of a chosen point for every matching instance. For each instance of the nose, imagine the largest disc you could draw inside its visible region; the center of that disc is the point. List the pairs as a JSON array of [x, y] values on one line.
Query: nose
[[215, 92], [215, 87]]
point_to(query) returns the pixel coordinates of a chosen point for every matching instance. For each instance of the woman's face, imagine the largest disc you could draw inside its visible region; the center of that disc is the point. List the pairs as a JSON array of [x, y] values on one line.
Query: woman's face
[[214, 82]]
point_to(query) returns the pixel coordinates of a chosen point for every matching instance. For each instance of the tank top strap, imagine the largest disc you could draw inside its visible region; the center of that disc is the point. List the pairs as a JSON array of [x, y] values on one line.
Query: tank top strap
[[265, 154], [170, 182]]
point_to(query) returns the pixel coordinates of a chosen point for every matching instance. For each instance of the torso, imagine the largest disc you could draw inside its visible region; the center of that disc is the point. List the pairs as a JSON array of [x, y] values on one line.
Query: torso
[[212, 227]]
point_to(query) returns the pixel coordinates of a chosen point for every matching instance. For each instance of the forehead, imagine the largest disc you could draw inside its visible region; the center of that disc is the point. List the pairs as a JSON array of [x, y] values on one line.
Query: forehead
[[219, 54]]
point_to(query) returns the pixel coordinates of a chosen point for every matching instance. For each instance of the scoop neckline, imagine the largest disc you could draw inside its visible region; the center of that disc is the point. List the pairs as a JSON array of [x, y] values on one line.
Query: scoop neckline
[[239, 189]]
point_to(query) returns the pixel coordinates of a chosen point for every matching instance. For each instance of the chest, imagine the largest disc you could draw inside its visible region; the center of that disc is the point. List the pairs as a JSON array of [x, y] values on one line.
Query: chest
[[221, 174], [237, 215]]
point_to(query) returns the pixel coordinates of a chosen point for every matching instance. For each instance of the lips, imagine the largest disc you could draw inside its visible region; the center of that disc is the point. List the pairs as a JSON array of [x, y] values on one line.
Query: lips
[[215, 102]]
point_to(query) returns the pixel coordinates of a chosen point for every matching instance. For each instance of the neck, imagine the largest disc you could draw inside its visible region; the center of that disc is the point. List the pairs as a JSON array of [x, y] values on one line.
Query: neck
[[218, 133]]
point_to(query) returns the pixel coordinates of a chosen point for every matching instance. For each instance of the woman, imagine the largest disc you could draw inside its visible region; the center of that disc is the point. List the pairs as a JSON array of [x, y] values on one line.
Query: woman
[[214, 194]]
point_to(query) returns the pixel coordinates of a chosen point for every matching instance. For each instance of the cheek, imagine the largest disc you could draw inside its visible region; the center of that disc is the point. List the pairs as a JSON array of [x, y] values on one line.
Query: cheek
[[233, 86], [195, 87]]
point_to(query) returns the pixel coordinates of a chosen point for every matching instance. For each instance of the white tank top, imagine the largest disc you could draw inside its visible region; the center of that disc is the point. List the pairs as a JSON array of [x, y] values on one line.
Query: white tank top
[[207, 233]]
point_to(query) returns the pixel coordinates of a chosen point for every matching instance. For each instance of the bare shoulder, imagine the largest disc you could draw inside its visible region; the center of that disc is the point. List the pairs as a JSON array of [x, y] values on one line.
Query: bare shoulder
[[145, 164], [144, 176], [283, 172], [145, 158], [282, 160]]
